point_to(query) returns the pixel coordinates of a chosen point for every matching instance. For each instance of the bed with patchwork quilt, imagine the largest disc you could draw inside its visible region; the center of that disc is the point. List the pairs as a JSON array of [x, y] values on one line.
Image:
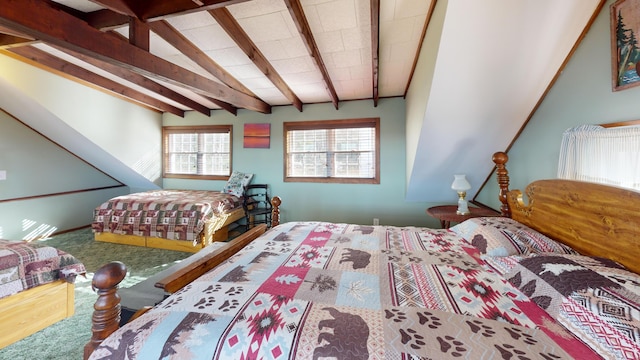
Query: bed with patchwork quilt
[[36, 287], [556, 277], [310, 290], [185, 220]]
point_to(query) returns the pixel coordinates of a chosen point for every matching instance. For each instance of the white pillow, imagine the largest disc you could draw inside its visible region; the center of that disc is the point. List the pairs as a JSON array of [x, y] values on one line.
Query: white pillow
[[236, 183]]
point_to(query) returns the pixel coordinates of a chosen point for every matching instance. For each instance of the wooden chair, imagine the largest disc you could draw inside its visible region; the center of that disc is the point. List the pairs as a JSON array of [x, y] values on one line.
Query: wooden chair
[[257, 205]]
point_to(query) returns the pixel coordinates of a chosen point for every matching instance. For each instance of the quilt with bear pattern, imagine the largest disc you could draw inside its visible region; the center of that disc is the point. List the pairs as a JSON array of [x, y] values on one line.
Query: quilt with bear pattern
[[316, 290]]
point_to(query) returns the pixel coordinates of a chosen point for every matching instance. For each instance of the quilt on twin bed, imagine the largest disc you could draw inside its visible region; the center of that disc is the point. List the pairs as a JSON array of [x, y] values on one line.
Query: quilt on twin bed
[[168, 214], [318, 290], [26, 265]]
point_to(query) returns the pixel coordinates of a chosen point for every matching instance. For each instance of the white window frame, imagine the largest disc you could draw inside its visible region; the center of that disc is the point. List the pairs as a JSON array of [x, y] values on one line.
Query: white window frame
[[333, 149], [167, 131], [607, 154]]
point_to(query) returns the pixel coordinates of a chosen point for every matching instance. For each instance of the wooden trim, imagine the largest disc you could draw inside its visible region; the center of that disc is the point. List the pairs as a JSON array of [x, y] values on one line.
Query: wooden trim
[[621, 123], [332, 180], [331, 124], [59, 193], [422, 36]]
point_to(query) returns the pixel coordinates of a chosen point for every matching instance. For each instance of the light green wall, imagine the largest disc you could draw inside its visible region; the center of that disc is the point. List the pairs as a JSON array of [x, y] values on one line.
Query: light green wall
[[47, 187], [582, 95], [325, 202], [36, 167]]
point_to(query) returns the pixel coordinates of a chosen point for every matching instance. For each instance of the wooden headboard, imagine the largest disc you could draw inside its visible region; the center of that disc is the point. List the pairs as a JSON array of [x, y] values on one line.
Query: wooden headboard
[[594, 219]]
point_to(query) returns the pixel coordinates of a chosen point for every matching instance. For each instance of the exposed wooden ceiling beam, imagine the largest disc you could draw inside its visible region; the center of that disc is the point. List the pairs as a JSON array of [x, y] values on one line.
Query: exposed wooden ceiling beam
[[105, 19], [139, 34], [240, 37], [7, 31], [224, 105], [177, 40], [295, 9], [8, 41], [375, 48], [141, 81], [432, 7], [157, 10], [66, 31], [68, 69], [119, 6]]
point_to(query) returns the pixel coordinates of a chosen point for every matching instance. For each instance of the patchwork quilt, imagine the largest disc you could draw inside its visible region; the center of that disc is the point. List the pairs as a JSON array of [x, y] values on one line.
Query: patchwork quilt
[[25, 265], [312, 290], [168, 214]]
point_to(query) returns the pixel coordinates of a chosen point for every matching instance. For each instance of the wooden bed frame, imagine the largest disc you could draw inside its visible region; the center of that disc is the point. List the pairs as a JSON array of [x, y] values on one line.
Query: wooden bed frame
[[214, 230], [106, 317], [596, 220], [32, 310]]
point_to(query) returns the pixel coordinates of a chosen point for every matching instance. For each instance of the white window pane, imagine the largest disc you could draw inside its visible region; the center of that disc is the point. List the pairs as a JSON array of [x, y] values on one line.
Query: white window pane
[[198, 153]]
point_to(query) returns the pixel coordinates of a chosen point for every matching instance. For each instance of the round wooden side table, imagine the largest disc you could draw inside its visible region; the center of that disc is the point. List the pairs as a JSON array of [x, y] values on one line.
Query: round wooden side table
[[447, 214]]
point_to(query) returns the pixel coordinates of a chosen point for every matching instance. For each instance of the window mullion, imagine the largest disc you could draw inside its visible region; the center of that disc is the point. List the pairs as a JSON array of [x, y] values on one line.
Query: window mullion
[[331, 146]]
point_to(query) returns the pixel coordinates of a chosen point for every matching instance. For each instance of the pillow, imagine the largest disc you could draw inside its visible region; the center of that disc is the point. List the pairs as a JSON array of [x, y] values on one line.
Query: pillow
[[502, 236], [236, 183], [595, 298]]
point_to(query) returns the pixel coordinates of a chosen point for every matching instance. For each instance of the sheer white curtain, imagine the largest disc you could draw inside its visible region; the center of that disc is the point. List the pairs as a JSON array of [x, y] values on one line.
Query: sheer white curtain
[[604, 155]]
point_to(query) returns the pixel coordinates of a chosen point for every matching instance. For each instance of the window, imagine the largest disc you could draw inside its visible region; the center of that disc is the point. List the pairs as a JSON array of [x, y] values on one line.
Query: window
[[602, 154], [197, 152], [335, 151]]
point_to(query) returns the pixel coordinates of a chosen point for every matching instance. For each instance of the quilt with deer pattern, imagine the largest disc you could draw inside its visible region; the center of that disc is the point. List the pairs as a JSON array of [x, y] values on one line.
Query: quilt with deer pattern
[[167, 214], [25, 265], [315, 290]]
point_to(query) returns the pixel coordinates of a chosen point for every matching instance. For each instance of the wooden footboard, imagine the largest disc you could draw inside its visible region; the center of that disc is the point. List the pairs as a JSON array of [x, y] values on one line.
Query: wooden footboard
[[106, 316], [32, 310]]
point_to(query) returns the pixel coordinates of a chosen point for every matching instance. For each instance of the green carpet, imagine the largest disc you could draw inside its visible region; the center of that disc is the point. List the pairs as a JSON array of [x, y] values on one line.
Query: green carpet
[[65, 340]]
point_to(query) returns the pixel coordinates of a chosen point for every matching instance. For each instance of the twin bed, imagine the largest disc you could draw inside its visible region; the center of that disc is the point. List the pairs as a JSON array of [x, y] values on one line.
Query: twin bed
[[183, 220], [36, 288], [554, 278]]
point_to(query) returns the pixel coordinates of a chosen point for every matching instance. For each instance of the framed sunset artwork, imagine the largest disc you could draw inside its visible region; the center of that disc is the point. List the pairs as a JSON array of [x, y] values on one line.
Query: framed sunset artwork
[[257, 136]]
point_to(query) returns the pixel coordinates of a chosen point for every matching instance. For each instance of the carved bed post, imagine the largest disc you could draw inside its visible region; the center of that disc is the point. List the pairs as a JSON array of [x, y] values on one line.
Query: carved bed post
[[106, 314], [275, 212], [500, 159]]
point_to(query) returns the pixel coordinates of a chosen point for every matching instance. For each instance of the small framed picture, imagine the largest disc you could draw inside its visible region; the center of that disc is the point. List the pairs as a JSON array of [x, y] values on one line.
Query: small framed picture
[[625, 51], [257, 136]]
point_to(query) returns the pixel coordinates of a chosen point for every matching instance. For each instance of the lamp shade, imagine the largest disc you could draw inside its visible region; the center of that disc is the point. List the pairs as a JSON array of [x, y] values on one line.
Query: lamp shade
[[460, 183]]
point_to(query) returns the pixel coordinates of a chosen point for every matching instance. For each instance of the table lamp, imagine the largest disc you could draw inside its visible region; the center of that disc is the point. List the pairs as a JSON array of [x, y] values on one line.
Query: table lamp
[[461, 185]]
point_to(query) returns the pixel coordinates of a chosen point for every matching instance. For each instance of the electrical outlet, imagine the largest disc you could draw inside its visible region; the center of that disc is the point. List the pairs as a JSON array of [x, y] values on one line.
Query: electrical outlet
[[376, 221], [3, 174]]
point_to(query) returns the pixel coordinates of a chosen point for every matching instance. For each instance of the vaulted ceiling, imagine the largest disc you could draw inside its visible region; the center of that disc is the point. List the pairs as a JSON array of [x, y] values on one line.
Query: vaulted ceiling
[[482, 67], [182, 55]]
